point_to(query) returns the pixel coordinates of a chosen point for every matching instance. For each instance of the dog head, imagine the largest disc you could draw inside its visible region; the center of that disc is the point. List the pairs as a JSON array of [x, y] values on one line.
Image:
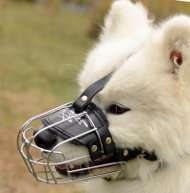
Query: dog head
[[146, 99], [152, 80]]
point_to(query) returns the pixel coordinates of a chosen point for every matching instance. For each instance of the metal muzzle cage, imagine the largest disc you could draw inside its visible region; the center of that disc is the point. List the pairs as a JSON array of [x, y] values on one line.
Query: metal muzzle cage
[[80, 124], [53, 165], [81, 127]]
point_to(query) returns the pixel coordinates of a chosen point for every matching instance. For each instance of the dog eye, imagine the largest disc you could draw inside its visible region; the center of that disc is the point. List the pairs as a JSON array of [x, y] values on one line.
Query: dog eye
[[117, 109]]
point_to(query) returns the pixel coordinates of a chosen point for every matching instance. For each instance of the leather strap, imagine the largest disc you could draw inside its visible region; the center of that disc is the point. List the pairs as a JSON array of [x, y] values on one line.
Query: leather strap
[[70, 129], [80, 125], [80, 104], [120, 154]]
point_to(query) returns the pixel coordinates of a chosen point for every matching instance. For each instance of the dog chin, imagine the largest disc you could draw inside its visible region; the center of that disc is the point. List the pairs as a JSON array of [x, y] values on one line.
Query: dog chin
[[89, 168]]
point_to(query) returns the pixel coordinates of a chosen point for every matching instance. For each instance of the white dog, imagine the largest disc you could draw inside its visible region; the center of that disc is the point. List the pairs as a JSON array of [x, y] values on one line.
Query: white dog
[[151, 80]]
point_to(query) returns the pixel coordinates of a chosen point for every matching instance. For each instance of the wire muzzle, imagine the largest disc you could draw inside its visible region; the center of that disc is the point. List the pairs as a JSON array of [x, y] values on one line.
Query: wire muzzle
[[72, 142]]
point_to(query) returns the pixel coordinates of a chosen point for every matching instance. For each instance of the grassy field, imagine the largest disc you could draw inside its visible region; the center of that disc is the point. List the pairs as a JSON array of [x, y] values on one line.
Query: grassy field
[[41, 52]]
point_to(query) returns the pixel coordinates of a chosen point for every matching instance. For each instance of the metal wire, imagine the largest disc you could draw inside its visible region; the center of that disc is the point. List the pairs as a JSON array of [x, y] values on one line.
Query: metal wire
[[40, 162]]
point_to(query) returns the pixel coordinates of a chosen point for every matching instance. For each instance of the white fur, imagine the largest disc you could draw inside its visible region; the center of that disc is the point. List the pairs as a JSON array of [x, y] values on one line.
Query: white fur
[[157, 92]]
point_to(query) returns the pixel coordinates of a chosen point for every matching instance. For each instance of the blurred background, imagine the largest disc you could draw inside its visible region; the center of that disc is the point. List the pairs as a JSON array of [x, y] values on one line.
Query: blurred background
[[43, 44]]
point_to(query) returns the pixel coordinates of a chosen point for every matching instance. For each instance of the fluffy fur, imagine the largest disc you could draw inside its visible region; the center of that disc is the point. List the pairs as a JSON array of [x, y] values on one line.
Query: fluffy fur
[[152, 78]]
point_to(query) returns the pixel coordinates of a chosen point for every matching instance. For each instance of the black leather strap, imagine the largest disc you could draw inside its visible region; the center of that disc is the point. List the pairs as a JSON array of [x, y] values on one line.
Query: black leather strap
[[80, 125], [90, 92], [68, 129], [119, 154]]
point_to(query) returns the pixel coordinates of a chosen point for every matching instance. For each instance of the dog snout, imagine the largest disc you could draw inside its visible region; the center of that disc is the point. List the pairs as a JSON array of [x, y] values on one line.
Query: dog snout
[[45, 139]]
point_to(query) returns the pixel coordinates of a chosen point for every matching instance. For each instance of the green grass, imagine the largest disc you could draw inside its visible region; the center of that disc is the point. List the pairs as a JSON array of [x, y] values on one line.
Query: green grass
[[41, 53]]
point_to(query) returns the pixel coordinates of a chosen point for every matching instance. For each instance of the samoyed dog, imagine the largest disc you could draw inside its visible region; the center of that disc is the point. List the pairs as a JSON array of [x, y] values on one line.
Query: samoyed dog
[[152, 80], [146, 100]]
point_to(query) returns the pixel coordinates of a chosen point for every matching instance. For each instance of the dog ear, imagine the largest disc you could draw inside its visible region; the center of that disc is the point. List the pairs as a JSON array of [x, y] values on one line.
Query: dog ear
[[125, 19], [176, 40]]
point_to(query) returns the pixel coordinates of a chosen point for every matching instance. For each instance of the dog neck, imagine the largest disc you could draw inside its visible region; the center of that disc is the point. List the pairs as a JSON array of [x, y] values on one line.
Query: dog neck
[[142, 169]]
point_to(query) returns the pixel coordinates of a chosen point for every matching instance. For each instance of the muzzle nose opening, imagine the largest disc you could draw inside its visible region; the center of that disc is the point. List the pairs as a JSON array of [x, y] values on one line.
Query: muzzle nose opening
[[45, 139]]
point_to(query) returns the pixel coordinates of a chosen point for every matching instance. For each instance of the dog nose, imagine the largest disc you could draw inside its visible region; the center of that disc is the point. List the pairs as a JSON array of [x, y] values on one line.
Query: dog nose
[[45, 139]]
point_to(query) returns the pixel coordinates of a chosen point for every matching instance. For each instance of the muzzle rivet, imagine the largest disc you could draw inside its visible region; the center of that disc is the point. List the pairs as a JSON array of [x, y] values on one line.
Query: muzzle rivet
[[84, 98], [94, 148], [108, 140], [125, 153]]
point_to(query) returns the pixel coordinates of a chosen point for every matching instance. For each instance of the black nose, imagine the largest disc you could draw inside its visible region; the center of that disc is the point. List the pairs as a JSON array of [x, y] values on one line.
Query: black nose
[[45, 139]]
